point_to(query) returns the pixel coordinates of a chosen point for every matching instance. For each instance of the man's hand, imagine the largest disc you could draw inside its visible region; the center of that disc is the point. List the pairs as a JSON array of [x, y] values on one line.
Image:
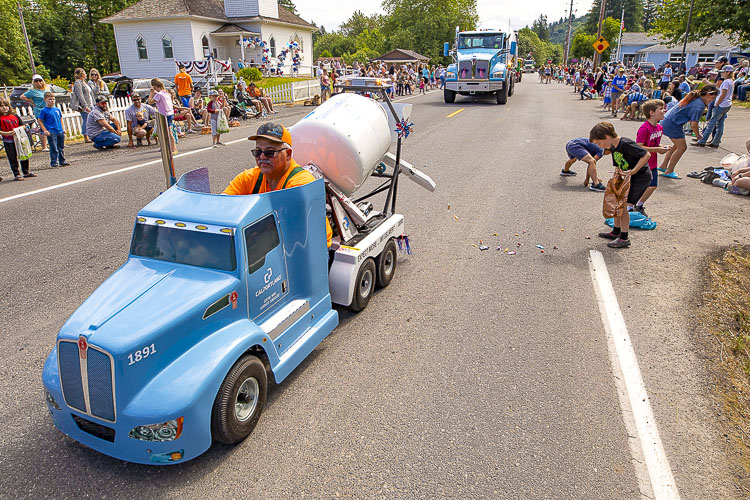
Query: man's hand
[[662, 150]]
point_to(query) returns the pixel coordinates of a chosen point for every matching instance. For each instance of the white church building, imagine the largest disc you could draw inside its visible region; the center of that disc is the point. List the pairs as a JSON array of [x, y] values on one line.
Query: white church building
[[153, 35]]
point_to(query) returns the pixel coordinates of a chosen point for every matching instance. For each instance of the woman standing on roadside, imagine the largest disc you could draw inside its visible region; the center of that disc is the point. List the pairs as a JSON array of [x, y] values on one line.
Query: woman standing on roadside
[[96, 84], [690, 109], [81, 96], [35, 97]]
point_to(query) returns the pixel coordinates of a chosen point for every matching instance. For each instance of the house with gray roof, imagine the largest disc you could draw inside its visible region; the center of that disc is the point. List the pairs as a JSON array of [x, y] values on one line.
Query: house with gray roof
[[636, 47], [152, 36]]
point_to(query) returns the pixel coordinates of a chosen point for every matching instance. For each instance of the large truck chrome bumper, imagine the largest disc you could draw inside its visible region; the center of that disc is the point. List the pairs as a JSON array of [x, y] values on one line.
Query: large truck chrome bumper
[[475, 86]]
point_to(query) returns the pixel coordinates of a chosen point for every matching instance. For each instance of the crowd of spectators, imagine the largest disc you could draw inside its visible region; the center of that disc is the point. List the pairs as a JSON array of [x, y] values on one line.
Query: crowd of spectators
[[404, 78]]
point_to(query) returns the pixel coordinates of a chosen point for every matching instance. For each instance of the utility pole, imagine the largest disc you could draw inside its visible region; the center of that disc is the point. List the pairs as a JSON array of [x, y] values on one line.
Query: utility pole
[[687, 32], [599, 32], [26, 37], [567, 38], [619, 39]]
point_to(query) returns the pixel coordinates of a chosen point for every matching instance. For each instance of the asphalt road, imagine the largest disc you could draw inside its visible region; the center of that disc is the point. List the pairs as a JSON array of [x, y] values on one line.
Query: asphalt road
[[475, 374]]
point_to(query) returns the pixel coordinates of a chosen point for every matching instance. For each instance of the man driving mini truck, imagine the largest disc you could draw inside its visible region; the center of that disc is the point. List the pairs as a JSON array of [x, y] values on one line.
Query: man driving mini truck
[[276, 169]]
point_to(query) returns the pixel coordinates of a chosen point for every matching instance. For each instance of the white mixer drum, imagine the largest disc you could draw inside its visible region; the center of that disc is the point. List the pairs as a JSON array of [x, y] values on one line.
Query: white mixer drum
[[346, 137]]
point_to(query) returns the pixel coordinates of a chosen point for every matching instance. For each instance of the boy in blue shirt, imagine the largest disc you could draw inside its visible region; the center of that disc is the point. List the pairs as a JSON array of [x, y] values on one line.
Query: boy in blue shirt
[[618, 87], [582, 149], [50, 120]]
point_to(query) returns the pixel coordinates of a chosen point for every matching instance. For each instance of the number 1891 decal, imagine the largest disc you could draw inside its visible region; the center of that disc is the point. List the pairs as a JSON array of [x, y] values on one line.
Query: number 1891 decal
[[141, 354]]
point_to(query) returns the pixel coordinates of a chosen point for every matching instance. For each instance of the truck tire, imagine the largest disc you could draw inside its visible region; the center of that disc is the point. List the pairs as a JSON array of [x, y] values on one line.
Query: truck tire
[[512, 88], [502, 95], [449, 96], [364, 285], [240, 401], [385, 264]]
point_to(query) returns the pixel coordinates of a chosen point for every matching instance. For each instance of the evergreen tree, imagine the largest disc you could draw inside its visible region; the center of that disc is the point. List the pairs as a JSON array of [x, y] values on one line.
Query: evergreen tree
[[289, 5], [649, 13], [613, 9], [541, 28]]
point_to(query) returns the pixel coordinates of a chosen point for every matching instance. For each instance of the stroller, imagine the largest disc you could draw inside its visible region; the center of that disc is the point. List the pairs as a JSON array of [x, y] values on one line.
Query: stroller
[[237, 109]]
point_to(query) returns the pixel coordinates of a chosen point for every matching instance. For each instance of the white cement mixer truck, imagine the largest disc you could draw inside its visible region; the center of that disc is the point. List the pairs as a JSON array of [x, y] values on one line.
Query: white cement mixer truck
[[220, 293]]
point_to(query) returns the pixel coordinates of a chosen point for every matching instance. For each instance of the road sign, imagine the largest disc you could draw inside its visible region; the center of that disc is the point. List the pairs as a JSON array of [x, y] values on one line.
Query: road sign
[[600, 45]]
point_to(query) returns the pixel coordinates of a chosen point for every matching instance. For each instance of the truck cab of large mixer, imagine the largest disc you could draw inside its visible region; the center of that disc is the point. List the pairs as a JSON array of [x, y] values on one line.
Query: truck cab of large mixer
[[484, 62]]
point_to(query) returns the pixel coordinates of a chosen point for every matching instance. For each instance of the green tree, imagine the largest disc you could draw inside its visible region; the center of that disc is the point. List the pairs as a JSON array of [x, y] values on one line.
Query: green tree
[[613, 9], [649, 13], [582, 43], [289, 5], [529, 43], [428, 23], [14, 61], [541, 28], [335, 43], [358, 23], [373, 40], [731, 17]]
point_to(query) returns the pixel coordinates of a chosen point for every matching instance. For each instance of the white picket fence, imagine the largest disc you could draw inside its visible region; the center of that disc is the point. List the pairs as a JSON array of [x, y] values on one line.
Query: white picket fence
[[293, 91], [285, 93], [72, 119]]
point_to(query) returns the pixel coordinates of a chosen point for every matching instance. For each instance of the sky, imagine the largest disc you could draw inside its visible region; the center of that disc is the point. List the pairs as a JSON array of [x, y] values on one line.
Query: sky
[[493, 14]]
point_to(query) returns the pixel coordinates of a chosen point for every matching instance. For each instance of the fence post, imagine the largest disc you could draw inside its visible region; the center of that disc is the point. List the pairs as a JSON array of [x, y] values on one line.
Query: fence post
[[291, 84]]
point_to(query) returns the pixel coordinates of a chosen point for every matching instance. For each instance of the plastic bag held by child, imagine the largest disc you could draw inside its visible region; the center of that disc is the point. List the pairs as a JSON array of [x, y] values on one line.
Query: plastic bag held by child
[[616, 194]]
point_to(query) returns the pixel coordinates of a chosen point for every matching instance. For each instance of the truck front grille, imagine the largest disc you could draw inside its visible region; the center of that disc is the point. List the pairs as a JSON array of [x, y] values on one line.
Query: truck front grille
[[98, 430], [87, 381]]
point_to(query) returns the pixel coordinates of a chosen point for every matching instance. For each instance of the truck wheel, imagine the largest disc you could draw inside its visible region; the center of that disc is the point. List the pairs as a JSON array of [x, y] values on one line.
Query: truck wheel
[[364, 286], [240, 401], [449, 96], [502, 95], [512, 88], [385, 264]]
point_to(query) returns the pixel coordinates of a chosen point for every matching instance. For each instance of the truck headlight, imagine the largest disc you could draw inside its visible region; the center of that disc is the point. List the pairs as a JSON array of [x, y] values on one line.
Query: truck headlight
[[450, 74], [167, 431], [51, 401], [498, 74]]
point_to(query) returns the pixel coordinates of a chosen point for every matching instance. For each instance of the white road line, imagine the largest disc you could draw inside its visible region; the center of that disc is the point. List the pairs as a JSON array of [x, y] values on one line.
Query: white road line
[[635, 400], [105, 174]]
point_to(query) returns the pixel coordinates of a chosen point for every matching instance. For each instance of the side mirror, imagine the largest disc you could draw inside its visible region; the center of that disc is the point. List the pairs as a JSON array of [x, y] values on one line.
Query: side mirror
[[446, 49], [513, 47]]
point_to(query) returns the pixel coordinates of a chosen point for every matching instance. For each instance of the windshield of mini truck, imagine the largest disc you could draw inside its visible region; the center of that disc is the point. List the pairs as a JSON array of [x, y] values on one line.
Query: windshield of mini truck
[[200, 245], [481, 41]]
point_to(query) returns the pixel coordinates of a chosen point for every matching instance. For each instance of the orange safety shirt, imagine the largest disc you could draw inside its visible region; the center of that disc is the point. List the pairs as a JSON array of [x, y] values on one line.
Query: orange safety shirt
[[248, 182], [183, 81]]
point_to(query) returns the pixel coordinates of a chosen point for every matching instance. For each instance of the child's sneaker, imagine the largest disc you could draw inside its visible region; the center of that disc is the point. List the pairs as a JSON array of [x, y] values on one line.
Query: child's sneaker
[[641, 210], [599, 188], [609, 236], [619, 243], [567, 173]]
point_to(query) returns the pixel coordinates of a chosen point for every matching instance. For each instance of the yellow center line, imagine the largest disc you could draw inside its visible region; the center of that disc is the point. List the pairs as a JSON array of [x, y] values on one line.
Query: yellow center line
[[455, 113]]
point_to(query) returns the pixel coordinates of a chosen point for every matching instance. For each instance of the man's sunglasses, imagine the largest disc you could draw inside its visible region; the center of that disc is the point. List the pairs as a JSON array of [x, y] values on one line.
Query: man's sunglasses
[[269, 153]]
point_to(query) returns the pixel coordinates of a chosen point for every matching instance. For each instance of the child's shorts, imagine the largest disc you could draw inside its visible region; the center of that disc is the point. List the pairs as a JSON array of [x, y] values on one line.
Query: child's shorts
[[638, 185], [215, 123], [654, 178]]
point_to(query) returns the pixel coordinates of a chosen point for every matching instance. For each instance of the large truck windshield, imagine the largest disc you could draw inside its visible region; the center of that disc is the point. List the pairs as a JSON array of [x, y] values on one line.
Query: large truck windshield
[[481, 41], [184, 246]]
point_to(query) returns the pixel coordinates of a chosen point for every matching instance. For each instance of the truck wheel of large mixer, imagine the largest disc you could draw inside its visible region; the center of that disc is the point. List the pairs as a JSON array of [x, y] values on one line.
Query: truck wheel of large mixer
[[363, 286], [385, 264], [502, 95], [449, 96]]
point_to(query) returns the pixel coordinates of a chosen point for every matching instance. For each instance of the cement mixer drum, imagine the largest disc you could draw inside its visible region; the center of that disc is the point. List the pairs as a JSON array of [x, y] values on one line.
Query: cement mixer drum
[[346, 137]]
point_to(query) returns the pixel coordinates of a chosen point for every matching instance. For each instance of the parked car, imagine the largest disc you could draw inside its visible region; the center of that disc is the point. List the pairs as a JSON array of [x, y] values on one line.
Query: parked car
[[701, 69], [62, 96], [647, 67], [126, 86]]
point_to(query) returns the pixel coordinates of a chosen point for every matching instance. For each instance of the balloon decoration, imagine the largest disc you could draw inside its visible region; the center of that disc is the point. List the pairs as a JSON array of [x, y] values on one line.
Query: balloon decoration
[[292, 49]]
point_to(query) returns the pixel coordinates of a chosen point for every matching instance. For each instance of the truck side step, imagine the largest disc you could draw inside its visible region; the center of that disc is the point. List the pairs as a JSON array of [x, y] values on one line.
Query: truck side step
[[305, 344], [285, 317]]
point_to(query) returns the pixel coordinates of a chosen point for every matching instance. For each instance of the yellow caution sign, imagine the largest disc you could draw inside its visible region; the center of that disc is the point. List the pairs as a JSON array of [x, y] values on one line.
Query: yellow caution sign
[[600, 45]]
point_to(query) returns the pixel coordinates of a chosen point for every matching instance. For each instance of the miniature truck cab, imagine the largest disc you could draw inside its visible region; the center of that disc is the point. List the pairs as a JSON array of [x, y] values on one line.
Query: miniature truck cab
[[484, 63], [218, 293]]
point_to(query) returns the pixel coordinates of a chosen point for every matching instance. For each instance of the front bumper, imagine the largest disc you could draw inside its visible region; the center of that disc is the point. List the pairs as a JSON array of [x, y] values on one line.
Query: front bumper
[[475, 86], [112, 438]]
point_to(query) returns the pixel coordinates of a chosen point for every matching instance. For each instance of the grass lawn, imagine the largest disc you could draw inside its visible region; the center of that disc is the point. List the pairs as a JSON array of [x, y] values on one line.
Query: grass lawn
[[742, 104]]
